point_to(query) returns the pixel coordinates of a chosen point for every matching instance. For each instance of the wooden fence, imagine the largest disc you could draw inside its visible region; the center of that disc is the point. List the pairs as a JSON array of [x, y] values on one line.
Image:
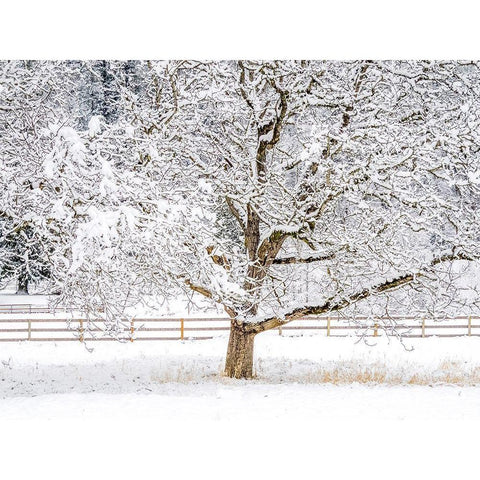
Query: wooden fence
[[34, 323], [30, 308]]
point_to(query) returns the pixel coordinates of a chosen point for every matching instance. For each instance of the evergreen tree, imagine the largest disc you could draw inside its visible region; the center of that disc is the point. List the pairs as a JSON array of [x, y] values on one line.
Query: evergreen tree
[[23, 255]]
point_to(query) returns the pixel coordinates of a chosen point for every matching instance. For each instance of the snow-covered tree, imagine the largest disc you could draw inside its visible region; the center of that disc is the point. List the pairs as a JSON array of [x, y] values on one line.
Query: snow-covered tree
[[228, 178], [22, 255], [366, 169], [33, 96]]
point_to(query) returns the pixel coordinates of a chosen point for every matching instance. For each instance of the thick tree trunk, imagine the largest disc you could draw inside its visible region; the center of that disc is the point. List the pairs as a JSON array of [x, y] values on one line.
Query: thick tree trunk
[[239, 363], [22, 286]]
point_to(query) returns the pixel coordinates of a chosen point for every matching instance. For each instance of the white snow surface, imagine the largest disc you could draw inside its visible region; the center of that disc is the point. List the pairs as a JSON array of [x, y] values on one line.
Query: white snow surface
[[163, 410]]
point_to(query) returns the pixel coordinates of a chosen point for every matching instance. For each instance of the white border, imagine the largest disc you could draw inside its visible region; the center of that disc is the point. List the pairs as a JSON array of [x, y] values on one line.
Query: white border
[[219, 29]]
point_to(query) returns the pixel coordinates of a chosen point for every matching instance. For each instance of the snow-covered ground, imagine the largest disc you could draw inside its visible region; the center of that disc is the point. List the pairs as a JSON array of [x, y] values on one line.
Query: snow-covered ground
[[319, 407], [11, 298], [29, 369]]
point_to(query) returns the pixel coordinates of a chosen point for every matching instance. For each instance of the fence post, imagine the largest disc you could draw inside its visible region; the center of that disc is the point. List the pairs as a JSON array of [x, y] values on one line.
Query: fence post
[[469, 325], [132, 329], [280, 330], [81, 330], [182, 329], [423, 328], [29, 329], [375, 330], [328, 326]]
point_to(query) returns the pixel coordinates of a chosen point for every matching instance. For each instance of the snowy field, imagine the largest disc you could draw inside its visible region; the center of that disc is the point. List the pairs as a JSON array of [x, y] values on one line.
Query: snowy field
[[319, 406]]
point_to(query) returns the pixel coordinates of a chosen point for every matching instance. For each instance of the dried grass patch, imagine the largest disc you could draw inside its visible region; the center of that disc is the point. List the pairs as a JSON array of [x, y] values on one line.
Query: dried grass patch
[[345, 372]]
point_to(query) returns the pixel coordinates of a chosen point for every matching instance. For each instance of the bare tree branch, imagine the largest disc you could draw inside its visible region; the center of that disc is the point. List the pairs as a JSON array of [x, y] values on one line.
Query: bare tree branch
[[295, 260], [330, 306]]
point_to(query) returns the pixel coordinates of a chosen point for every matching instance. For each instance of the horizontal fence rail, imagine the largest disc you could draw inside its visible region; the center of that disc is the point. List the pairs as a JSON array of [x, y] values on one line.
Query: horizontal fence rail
[[42, 324], [29, 308]]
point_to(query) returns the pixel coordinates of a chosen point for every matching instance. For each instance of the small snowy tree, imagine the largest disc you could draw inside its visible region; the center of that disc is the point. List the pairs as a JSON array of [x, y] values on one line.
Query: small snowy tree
[[22, 255]]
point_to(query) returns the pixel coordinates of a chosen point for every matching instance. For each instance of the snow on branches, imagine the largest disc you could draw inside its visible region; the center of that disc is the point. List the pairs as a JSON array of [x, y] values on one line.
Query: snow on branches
[[276, 189]]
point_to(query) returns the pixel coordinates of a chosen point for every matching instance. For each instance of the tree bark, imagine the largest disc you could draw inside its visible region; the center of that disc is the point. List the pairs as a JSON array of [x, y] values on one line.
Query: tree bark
[[22, 286], [239, 362]]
